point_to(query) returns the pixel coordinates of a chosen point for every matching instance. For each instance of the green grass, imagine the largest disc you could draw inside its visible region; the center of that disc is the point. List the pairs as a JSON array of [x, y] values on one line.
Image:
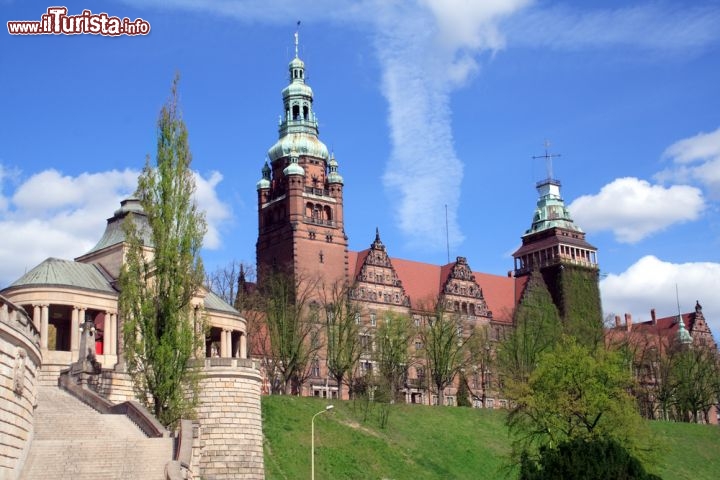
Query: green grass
[[422, 442]]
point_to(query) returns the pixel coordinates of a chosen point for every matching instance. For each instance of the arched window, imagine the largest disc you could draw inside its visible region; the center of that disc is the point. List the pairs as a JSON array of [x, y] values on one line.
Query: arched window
[[305, 112], [296, 112], [308, 209], [328, 214]]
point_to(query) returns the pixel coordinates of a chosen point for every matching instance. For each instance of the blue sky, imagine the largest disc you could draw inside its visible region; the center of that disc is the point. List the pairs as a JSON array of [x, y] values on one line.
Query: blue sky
[[425, 103]]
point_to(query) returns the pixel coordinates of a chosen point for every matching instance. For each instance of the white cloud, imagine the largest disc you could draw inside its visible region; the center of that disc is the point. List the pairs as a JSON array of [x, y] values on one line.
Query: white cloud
[[426, 48], [695, 159], [54, 215], [650, 283], [651, 26], [216, 212], [633, 209]]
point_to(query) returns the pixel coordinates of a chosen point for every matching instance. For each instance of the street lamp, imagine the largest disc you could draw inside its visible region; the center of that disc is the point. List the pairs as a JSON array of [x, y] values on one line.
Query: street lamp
[[312, 440]]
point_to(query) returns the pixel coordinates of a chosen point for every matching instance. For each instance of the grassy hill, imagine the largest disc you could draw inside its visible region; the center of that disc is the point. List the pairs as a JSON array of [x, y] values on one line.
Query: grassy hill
[[423, 442]]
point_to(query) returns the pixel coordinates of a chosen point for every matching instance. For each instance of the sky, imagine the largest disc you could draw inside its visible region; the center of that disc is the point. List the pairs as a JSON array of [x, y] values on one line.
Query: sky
[[430, 107]]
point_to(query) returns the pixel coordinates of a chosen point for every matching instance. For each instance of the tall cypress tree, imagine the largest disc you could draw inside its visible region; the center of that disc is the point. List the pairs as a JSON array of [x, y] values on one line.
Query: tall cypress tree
[[161, 330]]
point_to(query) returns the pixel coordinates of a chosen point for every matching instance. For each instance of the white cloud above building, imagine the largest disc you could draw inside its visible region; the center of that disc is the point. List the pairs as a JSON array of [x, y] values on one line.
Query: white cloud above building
[[633, 209], [650, 283], [50, 214]]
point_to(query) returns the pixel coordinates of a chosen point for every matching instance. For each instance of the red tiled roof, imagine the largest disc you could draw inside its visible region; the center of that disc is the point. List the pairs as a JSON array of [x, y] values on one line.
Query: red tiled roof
[[424, 281]]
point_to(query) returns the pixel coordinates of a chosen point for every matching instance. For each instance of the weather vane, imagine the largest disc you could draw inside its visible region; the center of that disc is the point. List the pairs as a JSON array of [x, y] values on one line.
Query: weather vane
[[548, 158]]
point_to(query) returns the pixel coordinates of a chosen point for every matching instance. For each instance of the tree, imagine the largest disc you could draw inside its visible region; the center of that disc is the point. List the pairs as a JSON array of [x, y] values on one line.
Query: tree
[[392, 351], [693, 373], [576, 393], [226, 282], [595, 459], [293, 330], [444, 345], [537, 329], [342, 332], [161, 332]]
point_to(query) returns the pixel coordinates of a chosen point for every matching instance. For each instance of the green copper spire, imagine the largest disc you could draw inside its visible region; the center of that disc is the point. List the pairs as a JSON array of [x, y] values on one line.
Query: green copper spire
[[551, 211], [683, 336], [298, 127], [264, 182], [333, 175], [293, 168]]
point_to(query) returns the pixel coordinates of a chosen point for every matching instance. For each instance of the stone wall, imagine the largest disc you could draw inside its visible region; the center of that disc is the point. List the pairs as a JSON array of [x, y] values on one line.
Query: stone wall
[[229, 441], [20, 361]]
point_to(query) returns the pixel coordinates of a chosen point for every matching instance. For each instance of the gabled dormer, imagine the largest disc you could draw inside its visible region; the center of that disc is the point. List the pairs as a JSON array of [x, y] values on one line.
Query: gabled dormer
[[377, 281], [461, 293]]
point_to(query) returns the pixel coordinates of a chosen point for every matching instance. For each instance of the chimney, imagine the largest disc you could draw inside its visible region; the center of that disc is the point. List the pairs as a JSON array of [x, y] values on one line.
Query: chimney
[[617, 321], [652, 315], [628, 321]]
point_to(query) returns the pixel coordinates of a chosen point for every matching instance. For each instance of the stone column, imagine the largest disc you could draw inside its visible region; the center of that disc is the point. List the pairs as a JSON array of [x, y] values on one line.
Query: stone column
[[74, 334], [228, 340], [36, 316], [243, 345], [44, 317], [113, 337], [223, 343]]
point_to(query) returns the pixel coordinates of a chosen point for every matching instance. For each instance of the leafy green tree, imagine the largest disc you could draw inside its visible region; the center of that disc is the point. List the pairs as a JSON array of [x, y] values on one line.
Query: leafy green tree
[[537, 329], [161, 332], [594, 459], [693, 373], [444, 345], [342, 332], [293, 328], [576, 393], [392, 351]]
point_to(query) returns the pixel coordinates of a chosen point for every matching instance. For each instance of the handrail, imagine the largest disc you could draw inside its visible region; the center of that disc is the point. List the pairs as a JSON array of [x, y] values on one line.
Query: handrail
[[179, 467], [137, 414]]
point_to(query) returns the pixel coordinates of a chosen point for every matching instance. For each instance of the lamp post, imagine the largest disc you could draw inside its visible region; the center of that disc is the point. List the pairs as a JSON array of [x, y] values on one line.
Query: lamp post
[[312, 440]]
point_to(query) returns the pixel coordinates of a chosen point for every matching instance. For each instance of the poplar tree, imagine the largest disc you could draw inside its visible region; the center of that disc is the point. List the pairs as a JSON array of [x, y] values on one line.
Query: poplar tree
[[161, 329]]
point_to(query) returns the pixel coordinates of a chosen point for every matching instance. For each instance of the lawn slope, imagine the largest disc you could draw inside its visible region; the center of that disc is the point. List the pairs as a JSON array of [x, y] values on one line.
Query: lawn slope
[[421, 442]]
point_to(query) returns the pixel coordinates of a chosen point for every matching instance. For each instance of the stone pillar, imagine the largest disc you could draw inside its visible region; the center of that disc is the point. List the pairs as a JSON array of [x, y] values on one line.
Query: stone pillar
[[243, 345], [74, 333], [36, 317], [113, 337], [223, 343], [44, 318], [229, 347]]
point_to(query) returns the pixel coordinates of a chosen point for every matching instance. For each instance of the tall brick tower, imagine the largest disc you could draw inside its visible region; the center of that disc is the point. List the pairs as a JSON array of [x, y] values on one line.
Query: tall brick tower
[[556, 247], [300, 194]]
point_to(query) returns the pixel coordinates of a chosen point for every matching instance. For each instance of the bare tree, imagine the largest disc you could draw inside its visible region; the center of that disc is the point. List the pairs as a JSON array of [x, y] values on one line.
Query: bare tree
[[292, 327], [226, 281], [444, 339], [342, 332], [392, 351]]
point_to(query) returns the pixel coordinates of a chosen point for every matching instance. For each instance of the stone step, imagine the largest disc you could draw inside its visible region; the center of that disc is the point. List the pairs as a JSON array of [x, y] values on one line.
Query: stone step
[[74, 441]]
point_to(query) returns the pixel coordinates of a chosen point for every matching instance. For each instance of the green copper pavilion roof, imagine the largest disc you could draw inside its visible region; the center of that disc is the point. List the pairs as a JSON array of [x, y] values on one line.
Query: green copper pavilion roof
[[114, 232], [54, 272], [551, 211]]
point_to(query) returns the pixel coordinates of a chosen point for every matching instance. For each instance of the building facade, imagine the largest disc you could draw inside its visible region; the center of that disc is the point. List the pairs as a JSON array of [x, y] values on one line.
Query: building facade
[[301, 231]]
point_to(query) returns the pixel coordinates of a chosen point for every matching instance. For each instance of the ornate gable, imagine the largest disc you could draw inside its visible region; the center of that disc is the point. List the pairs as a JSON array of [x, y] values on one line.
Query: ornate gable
[[377, 280], [462, 294], [699, 329]]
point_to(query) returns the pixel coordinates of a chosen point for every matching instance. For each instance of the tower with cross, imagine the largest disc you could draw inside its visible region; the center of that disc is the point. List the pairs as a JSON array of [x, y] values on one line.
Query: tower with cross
[[555, 246]]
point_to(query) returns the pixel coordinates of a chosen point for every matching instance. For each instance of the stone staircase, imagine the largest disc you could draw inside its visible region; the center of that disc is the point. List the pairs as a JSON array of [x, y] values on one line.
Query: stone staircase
[[73, 441]]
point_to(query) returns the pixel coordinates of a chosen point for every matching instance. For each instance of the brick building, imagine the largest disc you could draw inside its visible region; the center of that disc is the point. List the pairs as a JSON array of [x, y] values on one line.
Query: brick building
[[301, 231]]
